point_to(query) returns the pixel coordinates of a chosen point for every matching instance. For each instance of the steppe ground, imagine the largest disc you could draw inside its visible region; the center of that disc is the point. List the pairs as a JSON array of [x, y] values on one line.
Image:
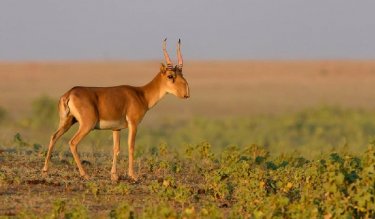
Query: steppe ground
[[195, 183]]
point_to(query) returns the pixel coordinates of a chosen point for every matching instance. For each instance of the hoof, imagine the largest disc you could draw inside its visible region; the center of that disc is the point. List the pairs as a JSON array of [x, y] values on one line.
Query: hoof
[[133, 178], [114, 177], [44, 173], [85, 177], [45, 170]]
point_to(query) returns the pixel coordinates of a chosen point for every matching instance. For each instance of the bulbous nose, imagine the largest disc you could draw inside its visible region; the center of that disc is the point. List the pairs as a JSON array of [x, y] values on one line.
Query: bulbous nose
[[186, 96]]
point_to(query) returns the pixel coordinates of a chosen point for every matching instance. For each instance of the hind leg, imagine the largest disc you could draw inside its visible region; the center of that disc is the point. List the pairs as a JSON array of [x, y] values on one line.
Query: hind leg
[[86, 113], [63, 127], [81, 133]]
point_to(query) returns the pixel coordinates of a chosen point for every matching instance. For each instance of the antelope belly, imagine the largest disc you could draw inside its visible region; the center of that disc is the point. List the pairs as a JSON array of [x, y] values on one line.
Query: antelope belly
[[111, 124]]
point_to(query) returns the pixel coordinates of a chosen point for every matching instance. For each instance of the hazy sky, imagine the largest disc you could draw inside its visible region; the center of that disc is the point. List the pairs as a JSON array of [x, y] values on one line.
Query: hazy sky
[[120, 29]]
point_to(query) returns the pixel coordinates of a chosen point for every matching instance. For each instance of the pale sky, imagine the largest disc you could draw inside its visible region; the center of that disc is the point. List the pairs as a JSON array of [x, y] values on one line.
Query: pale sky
[[210, 30]]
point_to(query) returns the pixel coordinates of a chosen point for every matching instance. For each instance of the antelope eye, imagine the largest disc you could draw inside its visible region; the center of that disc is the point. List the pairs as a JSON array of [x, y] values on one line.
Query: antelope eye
[[170, 76]]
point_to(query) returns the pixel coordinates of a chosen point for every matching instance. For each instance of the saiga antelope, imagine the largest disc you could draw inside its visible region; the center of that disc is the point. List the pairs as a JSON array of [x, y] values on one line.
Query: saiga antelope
[[116, 108]]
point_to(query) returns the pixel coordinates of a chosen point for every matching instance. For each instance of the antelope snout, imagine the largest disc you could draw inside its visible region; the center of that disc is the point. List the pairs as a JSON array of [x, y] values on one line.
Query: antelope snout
[[187, 95]]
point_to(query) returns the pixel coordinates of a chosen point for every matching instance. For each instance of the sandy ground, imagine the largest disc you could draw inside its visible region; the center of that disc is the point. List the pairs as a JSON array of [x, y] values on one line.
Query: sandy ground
[[218, 88]]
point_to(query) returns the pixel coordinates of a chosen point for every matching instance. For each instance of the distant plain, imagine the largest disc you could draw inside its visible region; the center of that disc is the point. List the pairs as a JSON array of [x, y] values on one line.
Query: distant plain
[[218, 88]]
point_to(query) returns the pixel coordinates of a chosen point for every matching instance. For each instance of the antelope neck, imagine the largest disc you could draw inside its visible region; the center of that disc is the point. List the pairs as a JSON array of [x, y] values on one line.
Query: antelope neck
[[153, 91]]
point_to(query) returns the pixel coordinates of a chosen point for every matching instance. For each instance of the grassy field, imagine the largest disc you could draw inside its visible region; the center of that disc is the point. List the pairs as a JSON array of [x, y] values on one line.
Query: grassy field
[[257, 139]]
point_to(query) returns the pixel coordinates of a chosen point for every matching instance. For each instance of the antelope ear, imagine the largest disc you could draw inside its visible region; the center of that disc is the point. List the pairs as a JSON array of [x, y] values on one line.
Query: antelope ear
[[163, 69], [178, 68]]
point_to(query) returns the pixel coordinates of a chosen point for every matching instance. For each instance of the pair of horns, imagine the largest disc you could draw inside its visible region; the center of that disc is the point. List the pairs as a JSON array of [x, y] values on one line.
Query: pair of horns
[[179, 56]]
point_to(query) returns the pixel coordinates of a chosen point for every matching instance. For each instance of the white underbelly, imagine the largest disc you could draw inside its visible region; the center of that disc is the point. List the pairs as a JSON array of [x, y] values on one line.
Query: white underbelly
[[111, 124]]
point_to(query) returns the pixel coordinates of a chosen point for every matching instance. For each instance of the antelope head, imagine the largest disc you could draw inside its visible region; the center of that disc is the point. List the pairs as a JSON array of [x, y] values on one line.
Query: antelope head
[[172, 79]]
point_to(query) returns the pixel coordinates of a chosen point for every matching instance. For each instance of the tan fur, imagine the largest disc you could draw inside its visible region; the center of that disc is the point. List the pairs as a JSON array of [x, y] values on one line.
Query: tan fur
[[113, 108]]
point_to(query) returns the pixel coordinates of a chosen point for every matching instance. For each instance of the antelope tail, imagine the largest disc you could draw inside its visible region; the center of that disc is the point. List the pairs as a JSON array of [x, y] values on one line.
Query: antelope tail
[[63, 107]]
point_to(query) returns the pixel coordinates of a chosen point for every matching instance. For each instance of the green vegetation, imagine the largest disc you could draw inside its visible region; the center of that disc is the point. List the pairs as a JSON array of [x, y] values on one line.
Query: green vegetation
[[237, 183], [310, 132], [44, 113], [3, 114], [317, 163]]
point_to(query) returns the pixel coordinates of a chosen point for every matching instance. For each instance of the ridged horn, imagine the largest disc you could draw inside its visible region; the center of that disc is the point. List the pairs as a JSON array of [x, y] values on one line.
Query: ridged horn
[[166, 56], [179, 55]]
